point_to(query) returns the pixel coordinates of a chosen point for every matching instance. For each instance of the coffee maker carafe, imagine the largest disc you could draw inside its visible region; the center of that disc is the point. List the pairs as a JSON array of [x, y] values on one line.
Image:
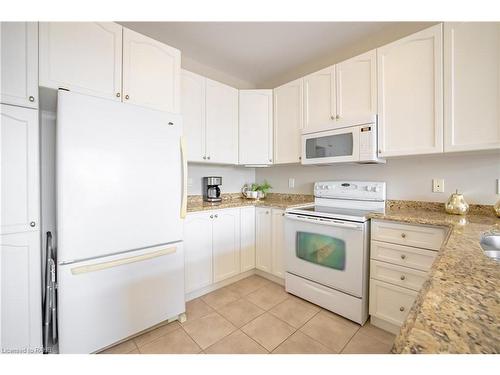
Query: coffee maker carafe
[[211, 190]]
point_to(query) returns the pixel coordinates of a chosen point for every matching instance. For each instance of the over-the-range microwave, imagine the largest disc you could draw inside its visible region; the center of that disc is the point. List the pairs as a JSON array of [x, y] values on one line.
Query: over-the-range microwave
[[350, 144]]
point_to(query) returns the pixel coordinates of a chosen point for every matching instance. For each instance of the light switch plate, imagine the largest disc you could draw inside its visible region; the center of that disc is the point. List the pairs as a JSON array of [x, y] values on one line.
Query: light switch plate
[[438, 185], [291, 183]]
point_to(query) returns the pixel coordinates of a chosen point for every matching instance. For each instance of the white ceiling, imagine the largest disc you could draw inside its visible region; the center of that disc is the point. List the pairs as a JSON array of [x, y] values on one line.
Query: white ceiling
[[266, 53]]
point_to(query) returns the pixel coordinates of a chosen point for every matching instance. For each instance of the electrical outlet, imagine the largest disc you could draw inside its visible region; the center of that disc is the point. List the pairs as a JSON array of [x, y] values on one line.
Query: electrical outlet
[[438, 185], [291, 183]]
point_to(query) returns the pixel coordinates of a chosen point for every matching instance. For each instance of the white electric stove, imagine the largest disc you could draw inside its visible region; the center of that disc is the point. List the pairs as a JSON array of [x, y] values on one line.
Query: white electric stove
[[327, 252]]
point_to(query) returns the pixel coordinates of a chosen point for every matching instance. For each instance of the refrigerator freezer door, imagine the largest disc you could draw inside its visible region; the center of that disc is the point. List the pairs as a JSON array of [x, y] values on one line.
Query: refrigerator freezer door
[[105, 300], [118, 177]]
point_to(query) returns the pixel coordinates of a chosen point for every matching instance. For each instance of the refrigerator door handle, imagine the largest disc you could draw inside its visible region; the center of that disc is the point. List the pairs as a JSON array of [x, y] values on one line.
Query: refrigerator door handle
[[184, 178], [120, 262]]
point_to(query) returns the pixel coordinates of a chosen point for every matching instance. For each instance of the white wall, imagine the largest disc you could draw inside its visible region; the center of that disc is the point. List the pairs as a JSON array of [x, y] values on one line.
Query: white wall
[[407, 178], [233, 177]]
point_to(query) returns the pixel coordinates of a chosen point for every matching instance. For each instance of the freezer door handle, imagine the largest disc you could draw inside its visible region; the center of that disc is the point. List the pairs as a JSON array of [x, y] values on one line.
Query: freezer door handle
[[184, 178], [120, 262]]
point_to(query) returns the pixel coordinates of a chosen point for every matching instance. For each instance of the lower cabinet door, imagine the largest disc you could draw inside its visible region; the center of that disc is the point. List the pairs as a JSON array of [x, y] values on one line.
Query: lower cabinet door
[[20, 287], [263, 239], [226, 243], [247, 242], [198, 250], [390, 302], [278, 243]]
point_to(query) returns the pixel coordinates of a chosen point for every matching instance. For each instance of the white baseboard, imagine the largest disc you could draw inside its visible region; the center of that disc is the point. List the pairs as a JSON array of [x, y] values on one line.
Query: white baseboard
[[277, 280]]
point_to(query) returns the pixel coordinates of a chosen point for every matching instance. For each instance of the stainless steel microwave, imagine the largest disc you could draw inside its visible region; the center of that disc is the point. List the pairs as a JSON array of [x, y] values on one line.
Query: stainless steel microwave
[[352, 144]]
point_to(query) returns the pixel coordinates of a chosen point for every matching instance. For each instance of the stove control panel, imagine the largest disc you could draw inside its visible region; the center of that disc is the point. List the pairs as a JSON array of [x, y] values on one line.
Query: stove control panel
[[359, 190]]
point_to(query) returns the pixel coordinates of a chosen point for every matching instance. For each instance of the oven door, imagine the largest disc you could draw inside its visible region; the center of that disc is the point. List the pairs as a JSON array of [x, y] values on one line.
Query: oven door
[[329, 252], [333, 146]]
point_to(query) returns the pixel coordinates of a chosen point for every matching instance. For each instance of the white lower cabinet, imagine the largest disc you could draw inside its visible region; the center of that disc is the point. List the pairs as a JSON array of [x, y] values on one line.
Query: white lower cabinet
[[263, 239], [269, 241], [278, 243], [20, 293], [247, 239], [397, 272], [226, 243], [198, 250], [212, 247]]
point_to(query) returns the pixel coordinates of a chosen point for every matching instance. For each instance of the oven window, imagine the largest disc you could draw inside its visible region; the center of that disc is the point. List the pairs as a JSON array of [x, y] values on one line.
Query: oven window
[[329, 146], [321, 249]]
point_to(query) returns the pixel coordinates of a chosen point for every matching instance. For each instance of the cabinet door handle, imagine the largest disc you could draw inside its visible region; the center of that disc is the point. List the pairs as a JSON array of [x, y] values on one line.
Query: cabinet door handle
[[31, 99], [403, 235], [216, 216], [32, 224], [204, 158], [127, 97], [208, 157], [211, 216], [270, 160], [118, 94], [402, 309], [403, 256], [332, 117], [403, 277], [337, 117]]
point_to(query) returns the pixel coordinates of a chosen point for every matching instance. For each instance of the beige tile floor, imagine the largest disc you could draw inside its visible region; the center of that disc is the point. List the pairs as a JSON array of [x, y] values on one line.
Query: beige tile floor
[[257, 316]]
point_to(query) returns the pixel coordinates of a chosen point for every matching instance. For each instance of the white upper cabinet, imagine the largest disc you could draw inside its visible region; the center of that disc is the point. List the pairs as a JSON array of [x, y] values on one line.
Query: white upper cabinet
[[221, 123], [356, 92], [263, 239], [288, 122], [19, 63], [410, 95], [226, 243], [198, 251], [151, 72], [193, 115], [319, 99], [20, 194], [256, 127], [85, 57], [472, 86], [247, 225]]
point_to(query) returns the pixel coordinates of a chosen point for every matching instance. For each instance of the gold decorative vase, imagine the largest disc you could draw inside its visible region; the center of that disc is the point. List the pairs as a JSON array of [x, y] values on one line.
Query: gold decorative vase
[[456, 204], [496, 207]]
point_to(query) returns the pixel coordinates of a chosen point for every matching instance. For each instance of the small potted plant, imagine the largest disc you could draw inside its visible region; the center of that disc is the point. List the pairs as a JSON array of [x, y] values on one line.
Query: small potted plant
[[256, 191]]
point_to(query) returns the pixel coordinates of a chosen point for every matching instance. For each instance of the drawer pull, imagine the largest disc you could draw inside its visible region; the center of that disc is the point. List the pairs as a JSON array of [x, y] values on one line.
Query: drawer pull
[[403, 256], [403, 235], [403, 277], [401, 309]]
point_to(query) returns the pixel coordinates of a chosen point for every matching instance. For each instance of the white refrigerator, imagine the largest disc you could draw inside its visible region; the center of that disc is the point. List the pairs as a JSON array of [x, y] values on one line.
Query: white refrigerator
[[120, 204]]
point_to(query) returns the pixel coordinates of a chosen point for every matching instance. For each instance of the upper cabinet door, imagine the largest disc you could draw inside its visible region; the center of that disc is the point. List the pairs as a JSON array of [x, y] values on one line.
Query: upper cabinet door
[[256, 127], [19, 169], [85, 57], [193, 114], [151, 72], [319, 99], [356, 92], [410, 95], [288, 122], [226, 244], [19, 63], [472, 86], [222, 123]]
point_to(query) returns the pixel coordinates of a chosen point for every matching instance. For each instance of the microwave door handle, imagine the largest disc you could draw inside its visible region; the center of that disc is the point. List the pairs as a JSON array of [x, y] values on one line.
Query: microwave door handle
[[329, 222]]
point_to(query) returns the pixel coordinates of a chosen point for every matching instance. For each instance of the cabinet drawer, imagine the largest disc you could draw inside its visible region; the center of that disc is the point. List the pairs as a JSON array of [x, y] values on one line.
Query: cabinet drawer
[[411, 235], [402, 276], [390, 302], [419, 259]]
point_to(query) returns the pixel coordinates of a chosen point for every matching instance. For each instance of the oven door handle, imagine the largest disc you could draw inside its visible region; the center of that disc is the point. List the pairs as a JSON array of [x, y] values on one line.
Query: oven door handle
[[329, 222]]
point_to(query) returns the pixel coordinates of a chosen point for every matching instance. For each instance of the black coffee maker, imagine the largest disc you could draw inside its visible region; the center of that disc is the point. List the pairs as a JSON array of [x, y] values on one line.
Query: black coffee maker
[[211, 190]]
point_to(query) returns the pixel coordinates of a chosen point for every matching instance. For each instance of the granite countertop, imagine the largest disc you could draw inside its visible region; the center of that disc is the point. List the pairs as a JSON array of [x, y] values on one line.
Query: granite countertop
[[458, 308], [273, 200]]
